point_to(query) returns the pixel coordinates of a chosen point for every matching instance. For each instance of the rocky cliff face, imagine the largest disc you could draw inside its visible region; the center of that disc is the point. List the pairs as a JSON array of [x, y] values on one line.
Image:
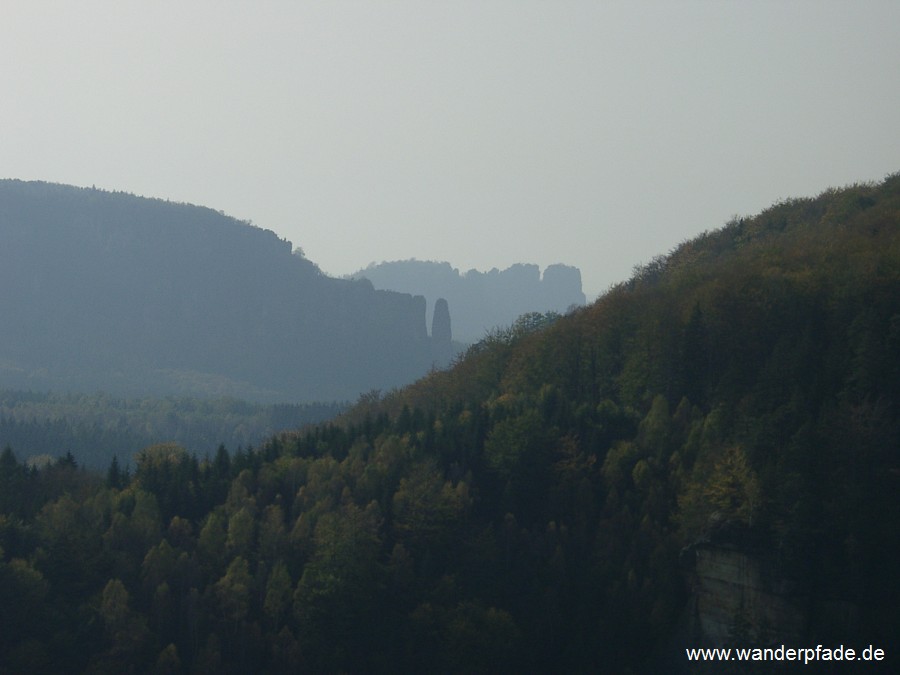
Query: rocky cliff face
[[733, 598], [738, 597]]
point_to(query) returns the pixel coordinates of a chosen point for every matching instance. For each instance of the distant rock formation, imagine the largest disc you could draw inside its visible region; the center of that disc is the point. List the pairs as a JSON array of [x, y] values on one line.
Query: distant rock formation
[[144, 297], [561, 286], [441, 335], [482, 301]]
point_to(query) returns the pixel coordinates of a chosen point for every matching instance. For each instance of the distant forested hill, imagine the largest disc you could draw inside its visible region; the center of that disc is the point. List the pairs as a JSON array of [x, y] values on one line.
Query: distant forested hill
[[709, 455], [481, 301], [97, 427], [108, 291]]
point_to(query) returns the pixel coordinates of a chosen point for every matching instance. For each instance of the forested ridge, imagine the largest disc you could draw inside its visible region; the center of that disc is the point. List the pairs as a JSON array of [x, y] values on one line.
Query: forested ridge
[[107, 291], [531, 509]]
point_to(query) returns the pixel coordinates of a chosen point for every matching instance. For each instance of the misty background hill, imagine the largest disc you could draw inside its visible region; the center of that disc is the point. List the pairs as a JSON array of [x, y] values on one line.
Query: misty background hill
[[481, 301], [134, 296]]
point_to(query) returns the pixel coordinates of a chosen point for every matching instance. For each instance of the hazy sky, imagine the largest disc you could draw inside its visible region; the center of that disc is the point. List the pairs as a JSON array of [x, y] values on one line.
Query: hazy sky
[[483, 133]]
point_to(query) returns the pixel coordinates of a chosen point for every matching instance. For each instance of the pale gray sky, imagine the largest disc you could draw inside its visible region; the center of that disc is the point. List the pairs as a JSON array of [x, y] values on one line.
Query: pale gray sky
[[484, 133]]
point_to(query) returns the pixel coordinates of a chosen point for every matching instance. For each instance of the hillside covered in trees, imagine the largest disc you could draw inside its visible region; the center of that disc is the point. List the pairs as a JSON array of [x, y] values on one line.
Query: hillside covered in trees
[[481, 301], [569, 497], [141, 297]]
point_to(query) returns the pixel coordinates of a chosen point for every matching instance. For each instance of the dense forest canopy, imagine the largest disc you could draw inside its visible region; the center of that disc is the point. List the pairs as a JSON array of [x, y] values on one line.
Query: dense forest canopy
[[555, 502]]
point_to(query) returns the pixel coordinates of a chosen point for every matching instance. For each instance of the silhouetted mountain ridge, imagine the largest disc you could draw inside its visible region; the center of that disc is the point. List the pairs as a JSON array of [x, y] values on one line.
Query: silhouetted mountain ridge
[[134, 295]]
